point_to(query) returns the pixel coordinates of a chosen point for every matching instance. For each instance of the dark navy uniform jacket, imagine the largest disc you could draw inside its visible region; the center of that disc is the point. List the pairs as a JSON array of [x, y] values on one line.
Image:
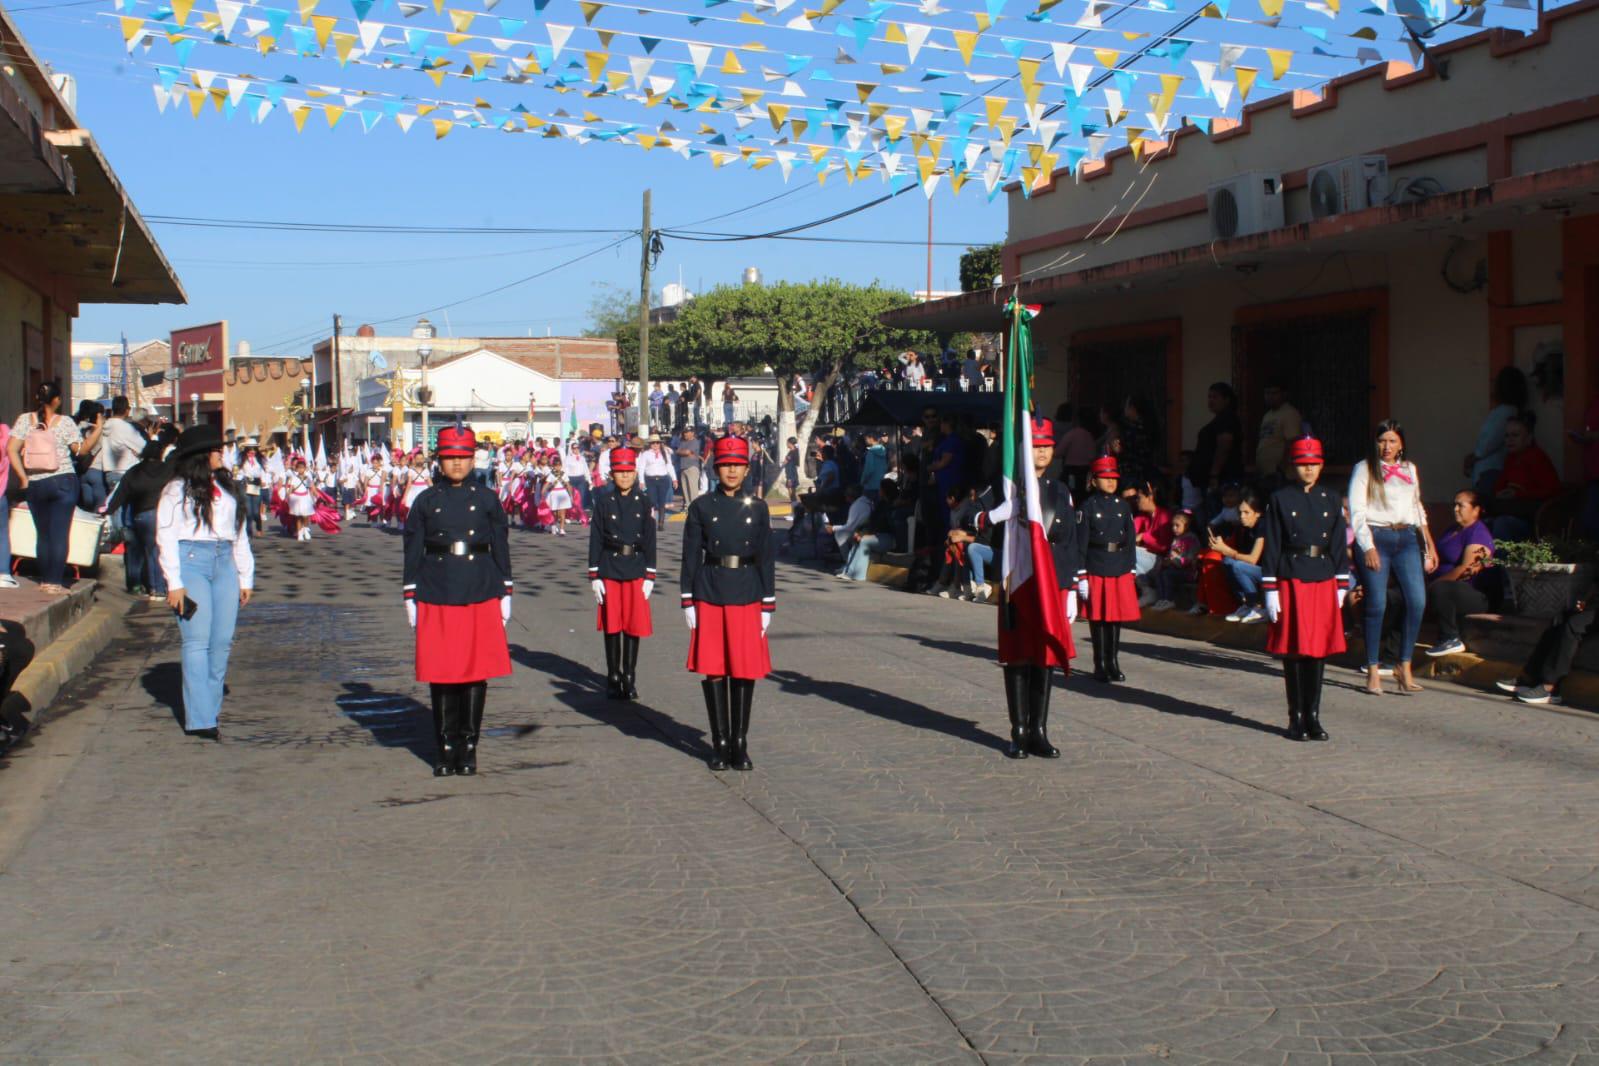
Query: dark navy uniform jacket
[[1060, 526], [621, 520], [1106, 536], [723, 527], [1305, 538], [456, 548]]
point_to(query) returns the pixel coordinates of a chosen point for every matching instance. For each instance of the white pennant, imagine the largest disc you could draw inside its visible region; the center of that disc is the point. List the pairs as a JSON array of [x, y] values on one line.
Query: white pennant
[[785, 163], [405, 119], [236, 87], [1223, 92], [1080, 75], [660, 86], [370, 32], [1063, 52], [1230, 54], [700, 54], [990, 177], [558, 37], [640, 66], [228, 12], [920, 117], [254, 27], [915, 37], [1206, 72], [161, 98]]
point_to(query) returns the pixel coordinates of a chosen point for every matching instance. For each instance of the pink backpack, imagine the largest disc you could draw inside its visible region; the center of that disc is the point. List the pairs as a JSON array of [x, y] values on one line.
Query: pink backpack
[[39, 449]]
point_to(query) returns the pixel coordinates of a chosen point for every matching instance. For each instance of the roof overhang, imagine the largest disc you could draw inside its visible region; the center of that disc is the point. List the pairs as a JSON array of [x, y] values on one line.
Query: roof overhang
[[29, 163], [1468, 213]]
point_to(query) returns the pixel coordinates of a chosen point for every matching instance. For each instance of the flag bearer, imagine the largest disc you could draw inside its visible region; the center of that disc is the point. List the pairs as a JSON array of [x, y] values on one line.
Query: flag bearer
[[1305, 572], [1105, 584], [458, 598], [729, 588], [622, 571]]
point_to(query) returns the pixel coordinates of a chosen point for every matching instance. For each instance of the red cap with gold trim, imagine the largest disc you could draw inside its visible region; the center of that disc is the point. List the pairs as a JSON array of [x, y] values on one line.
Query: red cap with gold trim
[[1104, 466], [1305, 451], [623, 459], [731, 451], [456, 443]]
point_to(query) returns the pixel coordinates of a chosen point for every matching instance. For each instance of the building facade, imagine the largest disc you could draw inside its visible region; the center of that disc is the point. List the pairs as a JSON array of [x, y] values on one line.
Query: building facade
[[259, 394], [1480, 251]]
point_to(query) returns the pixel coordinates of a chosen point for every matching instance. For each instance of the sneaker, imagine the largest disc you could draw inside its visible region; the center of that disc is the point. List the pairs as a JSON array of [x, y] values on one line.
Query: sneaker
[[1508, 685], [8, 582], [1238, 615], [980, 593], [1162, 605], [158, 597], [1537, 694], [1198, 608], [945, 594], [1448, 647], [1253, 616]]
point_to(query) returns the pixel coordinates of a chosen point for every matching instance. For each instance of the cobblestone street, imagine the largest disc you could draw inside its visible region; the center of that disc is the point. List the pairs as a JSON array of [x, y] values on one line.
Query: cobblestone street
[[1183, 885]]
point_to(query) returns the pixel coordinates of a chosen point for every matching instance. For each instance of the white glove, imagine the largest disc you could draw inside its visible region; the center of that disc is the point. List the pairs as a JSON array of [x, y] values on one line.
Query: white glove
[[766, 621], [1342, 593], [649, 587], [410, 612], [1000, 513], [690, 617], [505, 609], [1071, 606], [599, 590], [1082, 590], [1274, 604]]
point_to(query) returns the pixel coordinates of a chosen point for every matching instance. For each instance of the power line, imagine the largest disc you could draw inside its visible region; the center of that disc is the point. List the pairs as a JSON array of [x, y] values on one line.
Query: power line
[[357, 227], [701, 235]]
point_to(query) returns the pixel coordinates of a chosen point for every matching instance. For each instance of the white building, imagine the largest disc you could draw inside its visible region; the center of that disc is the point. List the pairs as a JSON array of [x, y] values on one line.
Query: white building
[[498, 397]]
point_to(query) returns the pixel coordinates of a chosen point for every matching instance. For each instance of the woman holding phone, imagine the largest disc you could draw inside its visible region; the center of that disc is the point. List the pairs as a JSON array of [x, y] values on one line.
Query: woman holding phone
[[203, 543]]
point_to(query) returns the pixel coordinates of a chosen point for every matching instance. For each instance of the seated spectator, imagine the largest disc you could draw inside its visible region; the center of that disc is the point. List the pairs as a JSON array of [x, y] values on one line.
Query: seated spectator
[[1152, 523], [854, 539], [1180, 563], [1527, 481], [1551, 658], [958, 542], [1464, 582], [1241, 560]]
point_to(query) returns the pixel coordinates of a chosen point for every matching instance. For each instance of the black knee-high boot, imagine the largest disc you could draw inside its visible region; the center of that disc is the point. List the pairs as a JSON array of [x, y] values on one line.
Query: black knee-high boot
[[472, 699], [443, 729], [1041, 682], [629, 685], [1113, 651], [1293, 680], [741, 693], [1016, 705], [1310, 680], [1096, 634], [715, 689], [613, 665]]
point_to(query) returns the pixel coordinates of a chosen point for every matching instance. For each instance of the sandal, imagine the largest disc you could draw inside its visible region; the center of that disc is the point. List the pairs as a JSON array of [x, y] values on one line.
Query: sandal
[[1406, 681]]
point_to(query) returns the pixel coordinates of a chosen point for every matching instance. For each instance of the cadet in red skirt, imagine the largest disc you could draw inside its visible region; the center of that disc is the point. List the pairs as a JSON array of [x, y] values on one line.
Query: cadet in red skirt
[[458, 598], [622, 571], [729, 586], [1105, 585], [1305, 572]]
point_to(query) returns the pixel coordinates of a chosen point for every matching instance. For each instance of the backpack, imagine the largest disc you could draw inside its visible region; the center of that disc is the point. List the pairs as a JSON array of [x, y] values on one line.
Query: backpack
[[39, 449]]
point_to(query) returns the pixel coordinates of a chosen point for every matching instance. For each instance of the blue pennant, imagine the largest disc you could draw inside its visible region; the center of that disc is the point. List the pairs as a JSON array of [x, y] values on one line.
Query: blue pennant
[[361, 7]]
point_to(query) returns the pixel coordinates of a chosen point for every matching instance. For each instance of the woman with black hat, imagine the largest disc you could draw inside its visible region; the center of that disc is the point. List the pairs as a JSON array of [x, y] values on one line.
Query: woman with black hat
[[458, 598], [203, 544]]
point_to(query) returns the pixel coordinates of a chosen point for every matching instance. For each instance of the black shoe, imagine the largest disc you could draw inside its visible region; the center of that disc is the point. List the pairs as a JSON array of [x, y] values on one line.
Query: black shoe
[[207, 734], [613, 666], [1292, 682], [1016, 701], [1041, 682], [1310, 684], [471, 727], [741, 697], [1096, 634], [629, 674], [1113, 652], [715, 690]]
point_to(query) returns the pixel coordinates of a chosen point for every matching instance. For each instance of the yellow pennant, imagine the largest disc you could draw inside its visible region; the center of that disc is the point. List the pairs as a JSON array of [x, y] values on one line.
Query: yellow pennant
[[596, 64], [332, 112], [437, 76], [1030, 177], [343, 45], [532, 121], [750, 19], [605, 38], [462, 20], [777, 114], [424, 110], [648, 141], [818, 153], [1280, 58], [218, 98], [1169, 84], [210, 21], [1245, 77], [731, 65], [306, 7], [875, 112], [591, 118], [762, 163], [442, 128], [1271, 8], [1029, 71], [957, 180], [264, 44], [438, 7], [1007, 129], [893, 125], [130, 27], [590, 9], [196, 102], [751, 97], [993, 106], [318, 94], [983, 21], [891, 69], [821, 177], [719, 159], [935, 147], [966, 41], [799, 126], [616, 80], [863, 89], [456, 40], [323, 25], [299, 115], [181, 9], [925, 167], [918, 143], [530, 65], [1107, 56], [895, 34]]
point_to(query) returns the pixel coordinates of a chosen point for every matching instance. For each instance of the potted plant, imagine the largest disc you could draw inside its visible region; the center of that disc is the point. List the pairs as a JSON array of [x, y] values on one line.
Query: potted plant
[[1544, 577]]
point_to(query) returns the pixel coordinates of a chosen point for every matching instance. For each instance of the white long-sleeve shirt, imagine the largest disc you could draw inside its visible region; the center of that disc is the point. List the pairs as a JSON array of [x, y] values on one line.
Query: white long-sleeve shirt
[[176, 520], [1399, 503], [653, 465]]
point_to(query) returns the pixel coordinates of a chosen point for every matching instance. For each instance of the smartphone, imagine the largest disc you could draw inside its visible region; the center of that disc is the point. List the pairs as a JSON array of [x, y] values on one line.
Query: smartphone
[[189, 607]]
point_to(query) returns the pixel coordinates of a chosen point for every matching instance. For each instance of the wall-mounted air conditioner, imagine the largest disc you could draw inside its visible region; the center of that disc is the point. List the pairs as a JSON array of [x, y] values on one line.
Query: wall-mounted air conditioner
[[1346, 185], [1248, 203]]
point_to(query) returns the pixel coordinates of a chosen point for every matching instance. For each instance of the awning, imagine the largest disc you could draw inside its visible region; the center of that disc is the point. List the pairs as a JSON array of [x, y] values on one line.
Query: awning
[[904, 407]]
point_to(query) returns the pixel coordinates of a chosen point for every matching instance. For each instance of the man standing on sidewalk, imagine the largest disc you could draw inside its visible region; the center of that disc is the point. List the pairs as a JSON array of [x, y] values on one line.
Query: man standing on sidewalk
[[689, 465], [122, 443]]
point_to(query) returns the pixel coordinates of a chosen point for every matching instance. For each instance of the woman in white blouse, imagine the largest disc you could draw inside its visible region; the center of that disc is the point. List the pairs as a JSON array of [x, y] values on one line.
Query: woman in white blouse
[[1391, 536], [203, 543]]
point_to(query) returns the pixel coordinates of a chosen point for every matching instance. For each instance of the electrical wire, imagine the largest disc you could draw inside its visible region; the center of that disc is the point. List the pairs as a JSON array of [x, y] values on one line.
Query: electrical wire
[[357, 227]]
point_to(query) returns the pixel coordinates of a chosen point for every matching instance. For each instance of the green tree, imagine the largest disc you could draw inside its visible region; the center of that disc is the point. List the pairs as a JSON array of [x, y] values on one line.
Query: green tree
[[980, 266], [614, 313]]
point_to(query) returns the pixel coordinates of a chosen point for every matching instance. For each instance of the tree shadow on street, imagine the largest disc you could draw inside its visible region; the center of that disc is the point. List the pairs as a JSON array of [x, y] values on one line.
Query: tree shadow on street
[[582, 688], [393, 719], [886, 706]]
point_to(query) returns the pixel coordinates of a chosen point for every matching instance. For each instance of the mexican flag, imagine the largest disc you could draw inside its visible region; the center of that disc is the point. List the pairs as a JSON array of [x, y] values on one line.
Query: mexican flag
[[1032, 593]]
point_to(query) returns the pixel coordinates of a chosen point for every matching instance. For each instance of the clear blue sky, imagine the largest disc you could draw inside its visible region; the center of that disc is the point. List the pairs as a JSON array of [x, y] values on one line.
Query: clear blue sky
[[273, 286]]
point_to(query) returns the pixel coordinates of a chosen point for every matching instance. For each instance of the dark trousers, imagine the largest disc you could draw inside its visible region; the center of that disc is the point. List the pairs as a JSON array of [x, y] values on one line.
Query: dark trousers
[[1450, 600], [52, 501], [142, 563], [1551, 658]]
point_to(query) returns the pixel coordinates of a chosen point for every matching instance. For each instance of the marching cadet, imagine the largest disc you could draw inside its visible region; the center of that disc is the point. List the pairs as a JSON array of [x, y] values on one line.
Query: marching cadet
[[458, 598], [1105, 582], [729, 588], [1305, 572], [622, 571], [1030, 647]]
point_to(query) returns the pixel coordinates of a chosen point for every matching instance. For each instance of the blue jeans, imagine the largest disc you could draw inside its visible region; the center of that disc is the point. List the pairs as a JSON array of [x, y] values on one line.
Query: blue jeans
[[1144, 561], [5, 534], [659, 489], [92, 490], [859, 557], [1400, 554], [141, 562], [113, 478], [979, 557], [52, 501], [1245, 580], [210, 580], [727, 414]]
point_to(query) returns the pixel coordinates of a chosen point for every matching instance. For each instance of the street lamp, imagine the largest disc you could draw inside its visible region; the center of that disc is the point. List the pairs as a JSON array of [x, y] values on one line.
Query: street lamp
[[423, 333], [194, 408]]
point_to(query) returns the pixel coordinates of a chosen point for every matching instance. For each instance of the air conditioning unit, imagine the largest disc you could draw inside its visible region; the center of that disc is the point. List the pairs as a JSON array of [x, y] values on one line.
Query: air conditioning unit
[[1346, 185], [1251, 202]]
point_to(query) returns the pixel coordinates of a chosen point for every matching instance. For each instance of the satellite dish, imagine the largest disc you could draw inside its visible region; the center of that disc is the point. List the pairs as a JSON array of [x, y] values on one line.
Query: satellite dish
[[378, 362]]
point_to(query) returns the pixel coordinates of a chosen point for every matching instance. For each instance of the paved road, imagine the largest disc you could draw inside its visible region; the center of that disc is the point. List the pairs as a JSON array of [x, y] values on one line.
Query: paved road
[[1183, 886]]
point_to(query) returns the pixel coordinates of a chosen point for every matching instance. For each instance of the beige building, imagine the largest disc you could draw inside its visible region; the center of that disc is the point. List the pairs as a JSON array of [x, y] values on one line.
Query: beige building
[[1373, 298]]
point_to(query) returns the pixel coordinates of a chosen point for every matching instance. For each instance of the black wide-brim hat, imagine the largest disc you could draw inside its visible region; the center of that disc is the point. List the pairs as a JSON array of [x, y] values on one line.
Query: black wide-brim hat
[[197, 439]]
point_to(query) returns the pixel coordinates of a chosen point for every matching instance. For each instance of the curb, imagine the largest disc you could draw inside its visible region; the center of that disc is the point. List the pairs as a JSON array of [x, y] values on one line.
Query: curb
[[37, 686]]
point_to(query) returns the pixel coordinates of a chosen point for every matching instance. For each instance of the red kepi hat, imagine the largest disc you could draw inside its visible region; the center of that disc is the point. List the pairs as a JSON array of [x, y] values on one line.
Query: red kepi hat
[[456, 443], [731, 451], [1304, 451], [623, 459], [1104, 466], [1043, 433]]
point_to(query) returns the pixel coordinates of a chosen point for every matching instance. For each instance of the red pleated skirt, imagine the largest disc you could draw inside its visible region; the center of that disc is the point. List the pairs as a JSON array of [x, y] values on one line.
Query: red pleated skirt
[[625, 609], [1310, 623], [457, 644], [1019, 644], [1112, 599], [728, 642]]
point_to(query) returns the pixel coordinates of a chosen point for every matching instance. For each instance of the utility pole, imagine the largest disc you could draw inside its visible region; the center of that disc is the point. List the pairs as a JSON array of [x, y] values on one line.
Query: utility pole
[[337, 372], [647, 237], [929, 295]]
